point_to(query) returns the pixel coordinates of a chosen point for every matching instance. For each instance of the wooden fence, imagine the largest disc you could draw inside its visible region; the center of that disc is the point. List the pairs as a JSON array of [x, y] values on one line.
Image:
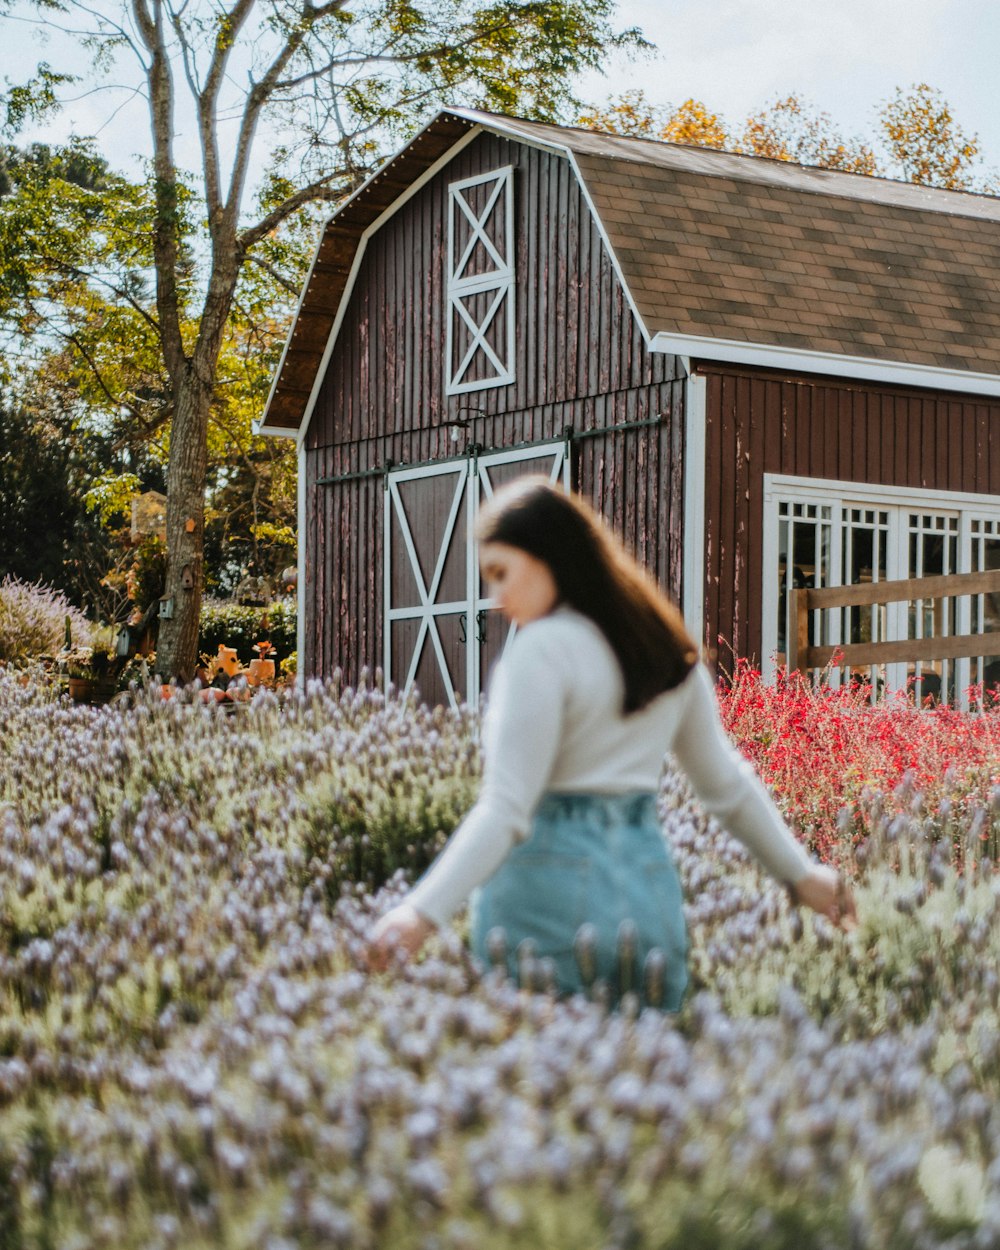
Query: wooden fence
[[802, 656]]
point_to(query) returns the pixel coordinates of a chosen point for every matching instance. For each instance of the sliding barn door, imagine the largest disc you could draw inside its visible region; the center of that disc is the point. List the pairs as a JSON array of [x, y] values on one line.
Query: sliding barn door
[[426, 578], [493, 471], [441, 634]]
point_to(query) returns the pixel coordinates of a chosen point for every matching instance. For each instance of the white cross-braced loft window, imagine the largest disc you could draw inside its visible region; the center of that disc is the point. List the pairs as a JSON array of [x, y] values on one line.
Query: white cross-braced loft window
[[480, 331]]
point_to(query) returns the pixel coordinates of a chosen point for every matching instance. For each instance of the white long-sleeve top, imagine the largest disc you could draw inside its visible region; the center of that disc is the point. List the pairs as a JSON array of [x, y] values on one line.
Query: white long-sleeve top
[[555, 723]]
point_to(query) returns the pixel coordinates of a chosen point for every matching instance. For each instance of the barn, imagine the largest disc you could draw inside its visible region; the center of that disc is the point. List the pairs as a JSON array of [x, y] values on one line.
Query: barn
[[764, 375]]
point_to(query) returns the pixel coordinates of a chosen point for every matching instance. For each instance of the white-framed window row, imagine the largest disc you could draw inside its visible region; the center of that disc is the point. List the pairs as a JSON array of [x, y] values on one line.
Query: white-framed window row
[[831, 533], [480, 348]]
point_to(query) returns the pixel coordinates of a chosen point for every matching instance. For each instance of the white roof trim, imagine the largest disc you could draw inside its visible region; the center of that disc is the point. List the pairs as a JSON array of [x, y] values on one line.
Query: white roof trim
[[376, 225], [566, 151], [611, 251], [799, 360], [397, 204], [282, 431], [480, 123]]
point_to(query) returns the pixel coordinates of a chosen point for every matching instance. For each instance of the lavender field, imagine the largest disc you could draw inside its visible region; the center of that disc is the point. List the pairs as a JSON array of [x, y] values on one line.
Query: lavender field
[[193, 1055]]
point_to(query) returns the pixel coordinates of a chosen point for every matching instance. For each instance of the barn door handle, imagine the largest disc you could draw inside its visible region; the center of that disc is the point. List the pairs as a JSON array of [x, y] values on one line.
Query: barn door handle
[[463, 633]]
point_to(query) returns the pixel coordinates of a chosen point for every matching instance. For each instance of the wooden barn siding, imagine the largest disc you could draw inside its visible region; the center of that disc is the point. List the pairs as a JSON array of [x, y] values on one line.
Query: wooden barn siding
[[581, 361], [633, 476], [761, 423]]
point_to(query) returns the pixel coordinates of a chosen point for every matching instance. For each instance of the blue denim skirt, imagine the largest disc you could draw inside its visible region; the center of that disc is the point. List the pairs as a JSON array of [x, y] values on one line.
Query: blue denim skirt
[[600, 863]]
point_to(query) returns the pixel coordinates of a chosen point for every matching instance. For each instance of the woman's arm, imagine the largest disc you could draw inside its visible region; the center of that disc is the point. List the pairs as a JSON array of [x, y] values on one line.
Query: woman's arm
[[728, 787], [521, 739]]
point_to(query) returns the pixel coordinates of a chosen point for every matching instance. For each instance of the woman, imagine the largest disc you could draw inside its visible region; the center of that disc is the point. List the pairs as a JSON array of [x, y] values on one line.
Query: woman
[[600, 681]]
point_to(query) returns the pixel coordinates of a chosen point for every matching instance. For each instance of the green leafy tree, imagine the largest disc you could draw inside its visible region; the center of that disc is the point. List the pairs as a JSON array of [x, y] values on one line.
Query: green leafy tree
[[48, 532], [339, 82], [76, 285]]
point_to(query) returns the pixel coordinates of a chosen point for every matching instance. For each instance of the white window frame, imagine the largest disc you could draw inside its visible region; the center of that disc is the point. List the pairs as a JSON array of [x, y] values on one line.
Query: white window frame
[[897, 499], [499, 281]]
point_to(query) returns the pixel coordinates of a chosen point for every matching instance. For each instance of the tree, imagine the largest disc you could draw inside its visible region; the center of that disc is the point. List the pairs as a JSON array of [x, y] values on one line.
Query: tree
[[928, 145], [788, 130], [49, 534], [340, 81], [634, 115], [75, 287], [918, 138]]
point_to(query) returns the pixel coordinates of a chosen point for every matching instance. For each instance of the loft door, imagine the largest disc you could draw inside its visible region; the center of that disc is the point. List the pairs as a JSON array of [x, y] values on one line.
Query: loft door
[[441, 635]]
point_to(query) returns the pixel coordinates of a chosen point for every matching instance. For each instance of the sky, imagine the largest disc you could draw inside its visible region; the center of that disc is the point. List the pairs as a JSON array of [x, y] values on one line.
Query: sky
[[845, 57]]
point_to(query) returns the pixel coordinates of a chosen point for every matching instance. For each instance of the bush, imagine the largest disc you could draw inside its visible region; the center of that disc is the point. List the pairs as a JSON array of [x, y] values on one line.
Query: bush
[[240, 627], [824, 750], [33, 621], [194, 1053]]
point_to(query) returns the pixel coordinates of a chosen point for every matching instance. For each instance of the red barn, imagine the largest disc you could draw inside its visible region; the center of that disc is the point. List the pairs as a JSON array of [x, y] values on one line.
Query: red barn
[[763, 375]]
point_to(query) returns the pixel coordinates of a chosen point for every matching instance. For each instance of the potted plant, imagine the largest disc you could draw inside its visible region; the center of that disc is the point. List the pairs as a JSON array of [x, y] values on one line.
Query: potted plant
[[92, 671], [261, 671]]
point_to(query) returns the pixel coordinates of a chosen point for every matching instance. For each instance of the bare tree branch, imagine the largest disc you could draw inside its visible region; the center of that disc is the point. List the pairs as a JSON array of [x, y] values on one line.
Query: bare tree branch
[[262, 92], [102, 20], [291, 287], [318, 191], [166, 251], [229, 26]]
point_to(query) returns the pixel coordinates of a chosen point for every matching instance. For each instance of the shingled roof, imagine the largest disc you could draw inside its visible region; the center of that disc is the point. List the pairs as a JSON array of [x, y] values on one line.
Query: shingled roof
[[715, 248]]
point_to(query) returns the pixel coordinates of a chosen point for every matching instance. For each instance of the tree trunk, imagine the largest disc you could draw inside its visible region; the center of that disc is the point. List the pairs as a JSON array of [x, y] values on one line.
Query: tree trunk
[[177, 645]]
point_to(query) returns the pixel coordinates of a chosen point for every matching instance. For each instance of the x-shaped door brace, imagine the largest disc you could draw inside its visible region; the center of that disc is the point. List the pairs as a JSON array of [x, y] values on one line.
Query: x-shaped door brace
[[478, 222], [486, 485], [427, 597], [478, 333]]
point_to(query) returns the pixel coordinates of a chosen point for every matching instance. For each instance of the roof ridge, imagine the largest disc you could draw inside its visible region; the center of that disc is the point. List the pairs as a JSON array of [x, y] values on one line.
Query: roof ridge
[[897, 191]]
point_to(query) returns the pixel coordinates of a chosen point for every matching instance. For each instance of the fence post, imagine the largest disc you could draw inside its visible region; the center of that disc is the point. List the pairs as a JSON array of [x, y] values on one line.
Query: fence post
[[798, 631]]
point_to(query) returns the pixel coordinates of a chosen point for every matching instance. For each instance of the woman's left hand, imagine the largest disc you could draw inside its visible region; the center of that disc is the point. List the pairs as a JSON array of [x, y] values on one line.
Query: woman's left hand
[[403, 929], [825, 890]]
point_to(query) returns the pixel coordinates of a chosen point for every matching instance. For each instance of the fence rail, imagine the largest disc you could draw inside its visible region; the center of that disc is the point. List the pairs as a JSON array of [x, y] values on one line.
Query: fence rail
[[802, 656]]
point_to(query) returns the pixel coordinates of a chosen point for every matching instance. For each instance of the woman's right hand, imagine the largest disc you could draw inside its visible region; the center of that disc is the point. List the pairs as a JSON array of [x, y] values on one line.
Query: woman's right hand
[[825, 890], [402, 930]]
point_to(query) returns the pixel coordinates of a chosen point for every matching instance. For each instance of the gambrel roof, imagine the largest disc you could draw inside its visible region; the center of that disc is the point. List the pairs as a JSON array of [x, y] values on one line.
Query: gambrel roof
[[722, 257]]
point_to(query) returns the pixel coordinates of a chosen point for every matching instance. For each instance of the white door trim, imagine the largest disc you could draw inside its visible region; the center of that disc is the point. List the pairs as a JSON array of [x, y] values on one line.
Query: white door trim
[[693, 576], [428, 609]]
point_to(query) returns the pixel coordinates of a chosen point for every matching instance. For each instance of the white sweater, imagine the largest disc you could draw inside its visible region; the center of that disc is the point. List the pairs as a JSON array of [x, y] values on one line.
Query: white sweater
[[554, 723]]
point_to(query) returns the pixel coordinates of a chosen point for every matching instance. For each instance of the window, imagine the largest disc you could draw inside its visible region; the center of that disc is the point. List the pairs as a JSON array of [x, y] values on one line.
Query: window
[[841, 533], [480, 330]]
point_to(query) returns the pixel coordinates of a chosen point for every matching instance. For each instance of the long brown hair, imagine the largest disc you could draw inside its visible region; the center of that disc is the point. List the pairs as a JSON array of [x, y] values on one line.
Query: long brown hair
[[595, 575]]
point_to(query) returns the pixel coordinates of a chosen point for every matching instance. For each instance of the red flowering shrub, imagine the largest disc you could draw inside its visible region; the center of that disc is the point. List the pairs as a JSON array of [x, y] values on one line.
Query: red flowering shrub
[[827, 753]]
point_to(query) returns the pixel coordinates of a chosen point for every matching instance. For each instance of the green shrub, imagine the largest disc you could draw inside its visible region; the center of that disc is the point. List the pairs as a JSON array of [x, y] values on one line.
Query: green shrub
[[33, 621], [237, 626]]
